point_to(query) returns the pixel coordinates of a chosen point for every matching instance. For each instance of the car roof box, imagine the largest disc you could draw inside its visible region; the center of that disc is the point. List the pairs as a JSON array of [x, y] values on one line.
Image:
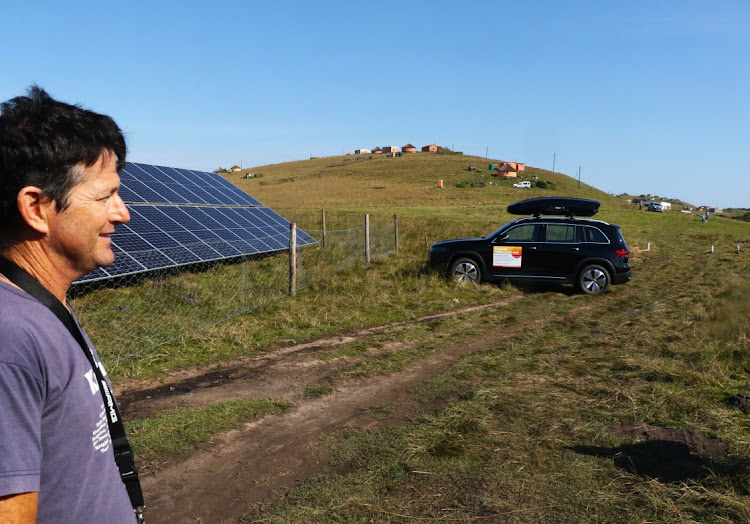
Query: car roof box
[[566, 206]]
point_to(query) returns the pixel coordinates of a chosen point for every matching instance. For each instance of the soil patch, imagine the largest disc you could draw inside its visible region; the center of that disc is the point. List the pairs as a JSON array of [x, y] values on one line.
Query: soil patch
[[696, 443], [220, 481], [281, 372], [740, 401]]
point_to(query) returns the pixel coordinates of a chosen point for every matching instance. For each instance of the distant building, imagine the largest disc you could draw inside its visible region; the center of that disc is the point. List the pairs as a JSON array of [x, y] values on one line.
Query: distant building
[[506, 170], [432, 148], [362, 151], [377, 151], [391, 149], [518, 166], [408, 148], [236, 168]]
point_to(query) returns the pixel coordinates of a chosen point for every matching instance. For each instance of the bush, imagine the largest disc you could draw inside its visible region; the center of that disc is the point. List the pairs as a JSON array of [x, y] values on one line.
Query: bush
[[545, 184], [448, 151]]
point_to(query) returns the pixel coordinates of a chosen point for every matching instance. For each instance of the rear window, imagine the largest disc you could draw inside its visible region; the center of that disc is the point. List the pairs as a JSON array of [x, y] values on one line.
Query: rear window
[[594, 235], [621, 238], [561, 233]]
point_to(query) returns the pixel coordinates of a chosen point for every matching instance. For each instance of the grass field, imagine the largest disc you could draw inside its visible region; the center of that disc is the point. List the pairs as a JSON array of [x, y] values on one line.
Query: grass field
[[527, 430]]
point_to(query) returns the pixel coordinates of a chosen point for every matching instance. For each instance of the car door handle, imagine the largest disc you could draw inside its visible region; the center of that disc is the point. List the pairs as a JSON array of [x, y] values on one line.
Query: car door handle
[[531, 247]]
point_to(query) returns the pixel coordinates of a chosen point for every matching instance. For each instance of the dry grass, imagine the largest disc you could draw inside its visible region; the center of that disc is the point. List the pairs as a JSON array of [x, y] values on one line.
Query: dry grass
[[519, 431]]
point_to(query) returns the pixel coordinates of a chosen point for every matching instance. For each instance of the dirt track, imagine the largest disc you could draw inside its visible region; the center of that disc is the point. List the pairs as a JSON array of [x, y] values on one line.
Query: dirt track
[[219, 482]]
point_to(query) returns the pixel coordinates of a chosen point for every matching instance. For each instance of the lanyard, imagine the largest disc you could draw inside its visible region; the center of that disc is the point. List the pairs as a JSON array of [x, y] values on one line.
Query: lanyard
[[120, 445]]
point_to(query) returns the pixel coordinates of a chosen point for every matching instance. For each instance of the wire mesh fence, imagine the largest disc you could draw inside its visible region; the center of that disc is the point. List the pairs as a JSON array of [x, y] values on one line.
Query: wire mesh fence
[[133, 317]]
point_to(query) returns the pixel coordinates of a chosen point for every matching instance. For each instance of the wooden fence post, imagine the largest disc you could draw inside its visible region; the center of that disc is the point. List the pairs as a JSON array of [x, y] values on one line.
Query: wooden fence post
[[323, 225], [367, 239], [293, 260], [395, 232]]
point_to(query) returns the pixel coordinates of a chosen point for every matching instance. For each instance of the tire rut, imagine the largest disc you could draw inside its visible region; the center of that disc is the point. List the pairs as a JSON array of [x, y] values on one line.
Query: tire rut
[[225, 477]]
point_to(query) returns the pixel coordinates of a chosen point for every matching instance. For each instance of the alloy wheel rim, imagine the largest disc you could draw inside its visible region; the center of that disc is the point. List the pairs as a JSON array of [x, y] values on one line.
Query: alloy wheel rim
[[466, 272], [595, 280]]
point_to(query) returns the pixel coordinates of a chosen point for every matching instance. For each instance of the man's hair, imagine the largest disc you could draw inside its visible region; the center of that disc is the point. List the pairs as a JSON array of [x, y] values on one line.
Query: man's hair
[[43, 142]]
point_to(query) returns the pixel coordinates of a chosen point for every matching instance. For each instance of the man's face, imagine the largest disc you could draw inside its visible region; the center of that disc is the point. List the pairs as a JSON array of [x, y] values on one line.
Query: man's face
[[79, 236]]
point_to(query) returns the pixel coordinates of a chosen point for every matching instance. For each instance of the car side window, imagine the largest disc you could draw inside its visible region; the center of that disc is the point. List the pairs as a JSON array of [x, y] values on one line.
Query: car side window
[[524, 233], [592, 234], [561, 233]]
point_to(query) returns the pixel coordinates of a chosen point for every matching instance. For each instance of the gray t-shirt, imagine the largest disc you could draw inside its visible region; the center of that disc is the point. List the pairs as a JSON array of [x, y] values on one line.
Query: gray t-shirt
[[54, 437]]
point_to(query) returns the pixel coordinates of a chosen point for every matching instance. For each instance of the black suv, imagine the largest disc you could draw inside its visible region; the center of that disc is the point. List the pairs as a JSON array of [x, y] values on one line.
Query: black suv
[[557, 249]]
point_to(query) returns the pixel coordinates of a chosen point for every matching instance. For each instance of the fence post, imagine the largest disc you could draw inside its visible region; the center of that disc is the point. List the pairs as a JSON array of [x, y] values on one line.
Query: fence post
[[395, 232], [293, 260], [367, 239], [323, 225]]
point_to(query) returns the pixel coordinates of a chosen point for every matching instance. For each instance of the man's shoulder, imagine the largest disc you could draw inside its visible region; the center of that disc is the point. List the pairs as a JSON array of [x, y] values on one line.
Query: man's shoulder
[[19, 308], [30, 334]]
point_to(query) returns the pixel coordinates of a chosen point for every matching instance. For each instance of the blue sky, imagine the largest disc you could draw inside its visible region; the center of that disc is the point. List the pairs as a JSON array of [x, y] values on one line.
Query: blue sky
[[645, 96]]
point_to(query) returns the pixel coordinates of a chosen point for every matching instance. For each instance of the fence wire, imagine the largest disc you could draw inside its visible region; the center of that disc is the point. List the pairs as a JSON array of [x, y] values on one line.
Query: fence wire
[[133, 317]]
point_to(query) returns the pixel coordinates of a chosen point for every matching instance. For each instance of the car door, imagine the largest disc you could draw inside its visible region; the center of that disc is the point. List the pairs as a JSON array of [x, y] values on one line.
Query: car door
[[515, 252], [560, 252]]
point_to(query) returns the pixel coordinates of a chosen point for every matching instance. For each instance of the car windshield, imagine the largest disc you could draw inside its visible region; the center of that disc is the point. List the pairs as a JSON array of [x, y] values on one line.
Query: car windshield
[[498, 231]]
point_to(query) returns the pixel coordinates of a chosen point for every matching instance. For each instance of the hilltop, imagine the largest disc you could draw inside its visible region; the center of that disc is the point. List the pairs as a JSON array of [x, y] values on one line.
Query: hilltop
[[356, 181]]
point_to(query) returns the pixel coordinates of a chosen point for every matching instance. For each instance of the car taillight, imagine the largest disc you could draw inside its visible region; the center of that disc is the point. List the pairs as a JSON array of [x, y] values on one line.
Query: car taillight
[[622, 253]]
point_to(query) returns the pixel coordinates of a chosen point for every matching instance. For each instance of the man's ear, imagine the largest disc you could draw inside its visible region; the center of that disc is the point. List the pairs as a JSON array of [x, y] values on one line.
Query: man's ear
[[35, 208]]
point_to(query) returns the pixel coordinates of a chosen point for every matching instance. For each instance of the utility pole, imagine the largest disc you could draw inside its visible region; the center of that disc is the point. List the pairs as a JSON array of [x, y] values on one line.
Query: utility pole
[[554, 157], [579, 177]]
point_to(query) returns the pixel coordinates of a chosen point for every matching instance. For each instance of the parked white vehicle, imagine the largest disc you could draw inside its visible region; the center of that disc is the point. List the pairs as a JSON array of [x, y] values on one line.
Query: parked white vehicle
[[525, 183]]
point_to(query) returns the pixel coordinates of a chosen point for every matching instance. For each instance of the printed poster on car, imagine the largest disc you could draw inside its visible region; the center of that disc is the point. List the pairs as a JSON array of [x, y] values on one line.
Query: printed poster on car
[[507, 256]]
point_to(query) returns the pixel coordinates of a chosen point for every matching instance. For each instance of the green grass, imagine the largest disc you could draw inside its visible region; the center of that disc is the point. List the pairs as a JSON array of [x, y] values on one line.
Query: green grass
[[181, 430], [519, 430], [510, 444]]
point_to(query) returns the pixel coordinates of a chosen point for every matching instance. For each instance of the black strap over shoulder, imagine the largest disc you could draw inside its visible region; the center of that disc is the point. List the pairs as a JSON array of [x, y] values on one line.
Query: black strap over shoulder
[[120, 445]]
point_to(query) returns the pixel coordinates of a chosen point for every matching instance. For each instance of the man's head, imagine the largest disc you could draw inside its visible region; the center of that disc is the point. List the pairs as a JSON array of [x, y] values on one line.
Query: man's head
[[49, 144]]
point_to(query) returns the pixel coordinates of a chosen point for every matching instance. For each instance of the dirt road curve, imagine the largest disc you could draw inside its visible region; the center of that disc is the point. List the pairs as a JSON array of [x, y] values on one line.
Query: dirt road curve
[[221, 480]]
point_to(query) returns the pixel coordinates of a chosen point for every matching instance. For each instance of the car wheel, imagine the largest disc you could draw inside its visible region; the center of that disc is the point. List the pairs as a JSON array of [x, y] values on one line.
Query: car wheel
[[466, 270], [594, 280]]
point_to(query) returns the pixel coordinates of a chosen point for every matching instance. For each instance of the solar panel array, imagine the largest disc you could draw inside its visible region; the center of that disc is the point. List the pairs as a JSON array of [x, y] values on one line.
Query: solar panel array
[[180, 217]]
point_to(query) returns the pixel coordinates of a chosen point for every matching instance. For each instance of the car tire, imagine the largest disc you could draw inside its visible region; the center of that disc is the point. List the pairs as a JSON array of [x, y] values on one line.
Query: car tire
[[594, 280], [466, 270]]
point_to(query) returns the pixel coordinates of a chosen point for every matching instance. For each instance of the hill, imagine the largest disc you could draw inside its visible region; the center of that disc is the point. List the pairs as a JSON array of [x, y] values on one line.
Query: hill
[[367, 181]]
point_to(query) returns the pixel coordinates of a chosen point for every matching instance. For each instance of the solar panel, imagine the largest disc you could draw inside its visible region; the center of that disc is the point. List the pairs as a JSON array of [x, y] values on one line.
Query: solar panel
[[180, 217]]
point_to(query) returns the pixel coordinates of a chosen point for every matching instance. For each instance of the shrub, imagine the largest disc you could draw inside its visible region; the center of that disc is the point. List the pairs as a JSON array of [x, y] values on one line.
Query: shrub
[[448, 151], [545, 184]]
